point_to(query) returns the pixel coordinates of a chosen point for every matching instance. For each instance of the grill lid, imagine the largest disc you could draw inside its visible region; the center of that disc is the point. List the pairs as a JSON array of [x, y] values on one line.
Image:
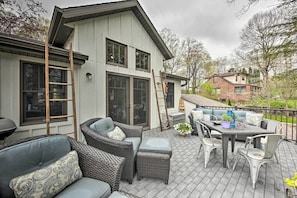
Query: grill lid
[[7, 127]]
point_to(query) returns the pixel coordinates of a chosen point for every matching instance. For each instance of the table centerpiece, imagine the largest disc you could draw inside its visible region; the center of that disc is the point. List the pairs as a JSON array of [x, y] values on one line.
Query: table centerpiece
[[226, 121]]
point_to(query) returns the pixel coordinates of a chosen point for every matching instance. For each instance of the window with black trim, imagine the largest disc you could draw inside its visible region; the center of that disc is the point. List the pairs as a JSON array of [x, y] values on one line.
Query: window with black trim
[[169, 93], [142, 60], [33, 93], [116, 53]]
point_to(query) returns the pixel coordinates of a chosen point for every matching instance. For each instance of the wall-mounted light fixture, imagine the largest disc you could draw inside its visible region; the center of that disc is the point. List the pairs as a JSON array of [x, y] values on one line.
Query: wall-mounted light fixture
[[89, 76], [158, 83]]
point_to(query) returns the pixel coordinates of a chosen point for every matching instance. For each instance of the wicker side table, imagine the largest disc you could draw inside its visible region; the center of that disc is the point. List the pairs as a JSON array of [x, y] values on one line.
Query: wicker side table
[[153, 159]]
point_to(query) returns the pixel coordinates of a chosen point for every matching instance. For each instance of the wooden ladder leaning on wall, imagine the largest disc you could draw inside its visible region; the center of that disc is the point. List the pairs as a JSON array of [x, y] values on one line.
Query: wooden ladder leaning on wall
[[161, 102], [48, 83]]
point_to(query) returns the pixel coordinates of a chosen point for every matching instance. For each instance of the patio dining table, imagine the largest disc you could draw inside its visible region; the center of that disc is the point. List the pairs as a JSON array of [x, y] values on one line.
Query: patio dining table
[[248, 130]]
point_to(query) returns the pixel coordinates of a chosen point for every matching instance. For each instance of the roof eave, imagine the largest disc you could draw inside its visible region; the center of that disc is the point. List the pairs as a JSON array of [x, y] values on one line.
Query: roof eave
[[17, 45], [173, 76], [59, 32]]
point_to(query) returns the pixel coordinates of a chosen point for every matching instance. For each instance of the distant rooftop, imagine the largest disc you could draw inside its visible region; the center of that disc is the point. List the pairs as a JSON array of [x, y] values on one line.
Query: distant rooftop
[[201, 101]]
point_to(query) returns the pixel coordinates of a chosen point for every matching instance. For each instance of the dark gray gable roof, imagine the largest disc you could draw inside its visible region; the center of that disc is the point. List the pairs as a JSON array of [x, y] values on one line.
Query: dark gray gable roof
[[59, 32], [33, 48]]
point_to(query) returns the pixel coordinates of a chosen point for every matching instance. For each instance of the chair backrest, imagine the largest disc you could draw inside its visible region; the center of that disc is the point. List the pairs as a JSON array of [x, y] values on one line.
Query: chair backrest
[[29, 156], [103, 126], [202, 130], [199, 130], [272, 125], [271, 145]]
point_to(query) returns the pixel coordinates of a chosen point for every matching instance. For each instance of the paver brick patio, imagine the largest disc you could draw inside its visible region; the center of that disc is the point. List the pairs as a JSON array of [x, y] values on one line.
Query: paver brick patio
[[189, 178]]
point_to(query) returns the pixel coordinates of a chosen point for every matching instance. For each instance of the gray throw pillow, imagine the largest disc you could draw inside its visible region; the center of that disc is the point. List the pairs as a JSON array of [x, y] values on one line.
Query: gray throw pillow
[[50, 180]]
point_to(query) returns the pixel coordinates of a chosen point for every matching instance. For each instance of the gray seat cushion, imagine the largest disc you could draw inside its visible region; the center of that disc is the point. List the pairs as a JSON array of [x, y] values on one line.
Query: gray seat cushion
[[156, 145], [103, 126], [135, 142], [87, 188], [240, 115], [218, 113]]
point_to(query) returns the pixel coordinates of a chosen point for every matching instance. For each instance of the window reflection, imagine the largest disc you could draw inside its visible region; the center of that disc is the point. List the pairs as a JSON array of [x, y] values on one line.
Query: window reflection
[[33, 92]]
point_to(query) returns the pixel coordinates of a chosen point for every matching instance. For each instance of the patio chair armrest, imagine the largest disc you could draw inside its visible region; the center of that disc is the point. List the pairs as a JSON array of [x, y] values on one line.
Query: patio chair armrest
[[130, 131], [98, 164]]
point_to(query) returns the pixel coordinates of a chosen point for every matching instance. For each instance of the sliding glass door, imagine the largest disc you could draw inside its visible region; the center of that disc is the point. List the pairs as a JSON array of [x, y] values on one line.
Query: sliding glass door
[[119, 98], [141, 101], [128, 99]]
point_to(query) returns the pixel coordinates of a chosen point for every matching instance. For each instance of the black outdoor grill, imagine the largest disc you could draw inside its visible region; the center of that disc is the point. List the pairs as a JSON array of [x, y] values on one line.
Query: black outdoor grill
[[7, 127]]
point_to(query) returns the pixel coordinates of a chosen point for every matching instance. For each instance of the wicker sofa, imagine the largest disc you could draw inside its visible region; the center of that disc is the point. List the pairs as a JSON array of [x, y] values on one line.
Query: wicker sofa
[[99, 172], [127, 148]]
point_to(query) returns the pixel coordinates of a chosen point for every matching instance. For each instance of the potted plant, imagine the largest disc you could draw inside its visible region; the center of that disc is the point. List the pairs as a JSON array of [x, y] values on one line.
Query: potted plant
[[183, 128], [226, 121]]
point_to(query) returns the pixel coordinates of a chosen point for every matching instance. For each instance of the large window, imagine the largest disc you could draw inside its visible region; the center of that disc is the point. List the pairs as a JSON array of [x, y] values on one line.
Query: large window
[[33, 93], [142, 60], [239, 90], [116, 53], [169, 93]]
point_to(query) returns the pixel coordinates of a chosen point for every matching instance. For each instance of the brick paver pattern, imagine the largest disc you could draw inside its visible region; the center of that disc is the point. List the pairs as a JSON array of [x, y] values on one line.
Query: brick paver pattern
[[189, 178]]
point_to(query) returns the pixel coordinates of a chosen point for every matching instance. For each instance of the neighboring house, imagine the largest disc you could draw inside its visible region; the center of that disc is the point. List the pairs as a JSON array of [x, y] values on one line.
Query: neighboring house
[[116, 47], [233, 86]]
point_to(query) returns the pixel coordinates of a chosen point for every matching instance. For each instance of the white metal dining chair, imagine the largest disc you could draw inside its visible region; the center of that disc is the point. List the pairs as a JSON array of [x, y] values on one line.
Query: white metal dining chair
[[214, 133], [207, 141], [257, 157], [272, 125]]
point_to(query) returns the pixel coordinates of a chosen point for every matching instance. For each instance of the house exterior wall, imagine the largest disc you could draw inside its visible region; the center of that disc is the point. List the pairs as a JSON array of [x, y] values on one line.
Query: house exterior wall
[[239, 78], [227, 90], [188, 108], [10, 101], [90, 38]]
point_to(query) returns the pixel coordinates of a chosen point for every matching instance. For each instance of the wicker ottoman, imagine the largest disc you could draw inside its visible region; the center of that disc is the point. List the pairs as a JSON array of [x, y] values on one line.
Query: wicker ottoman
[[153, 159]]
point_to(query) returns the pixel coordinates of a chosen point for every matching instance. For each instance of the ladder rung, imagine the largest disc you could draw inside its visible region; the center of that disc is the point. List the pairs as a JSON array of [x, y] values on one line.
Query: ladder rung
[[61, 68], [60, 100], [58, 83], [62, 116]]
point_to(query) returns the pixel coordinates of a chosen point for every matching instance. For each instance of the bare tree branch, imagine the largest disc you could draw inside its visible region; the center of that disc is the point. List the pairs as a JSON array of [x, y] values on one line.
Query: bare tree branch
[[23, 18]]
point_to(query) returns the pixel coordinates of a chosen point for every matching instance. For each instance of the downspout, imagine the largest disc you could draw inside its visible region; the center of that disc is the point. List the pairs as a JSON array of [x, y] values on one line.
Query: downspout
[[184, 84]]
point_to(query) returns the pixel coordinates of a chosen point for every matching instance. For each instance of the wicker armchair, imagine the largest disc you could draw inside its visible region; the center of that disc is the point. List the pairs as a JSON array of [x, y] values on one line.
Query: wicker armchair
[[119, 148], [93, 162]]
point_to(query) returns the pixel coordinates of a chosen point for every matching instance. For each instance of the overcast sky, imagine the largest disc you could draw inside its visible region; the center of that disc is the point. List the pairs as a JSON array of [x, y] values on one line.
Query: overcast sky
[[212, 22]]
